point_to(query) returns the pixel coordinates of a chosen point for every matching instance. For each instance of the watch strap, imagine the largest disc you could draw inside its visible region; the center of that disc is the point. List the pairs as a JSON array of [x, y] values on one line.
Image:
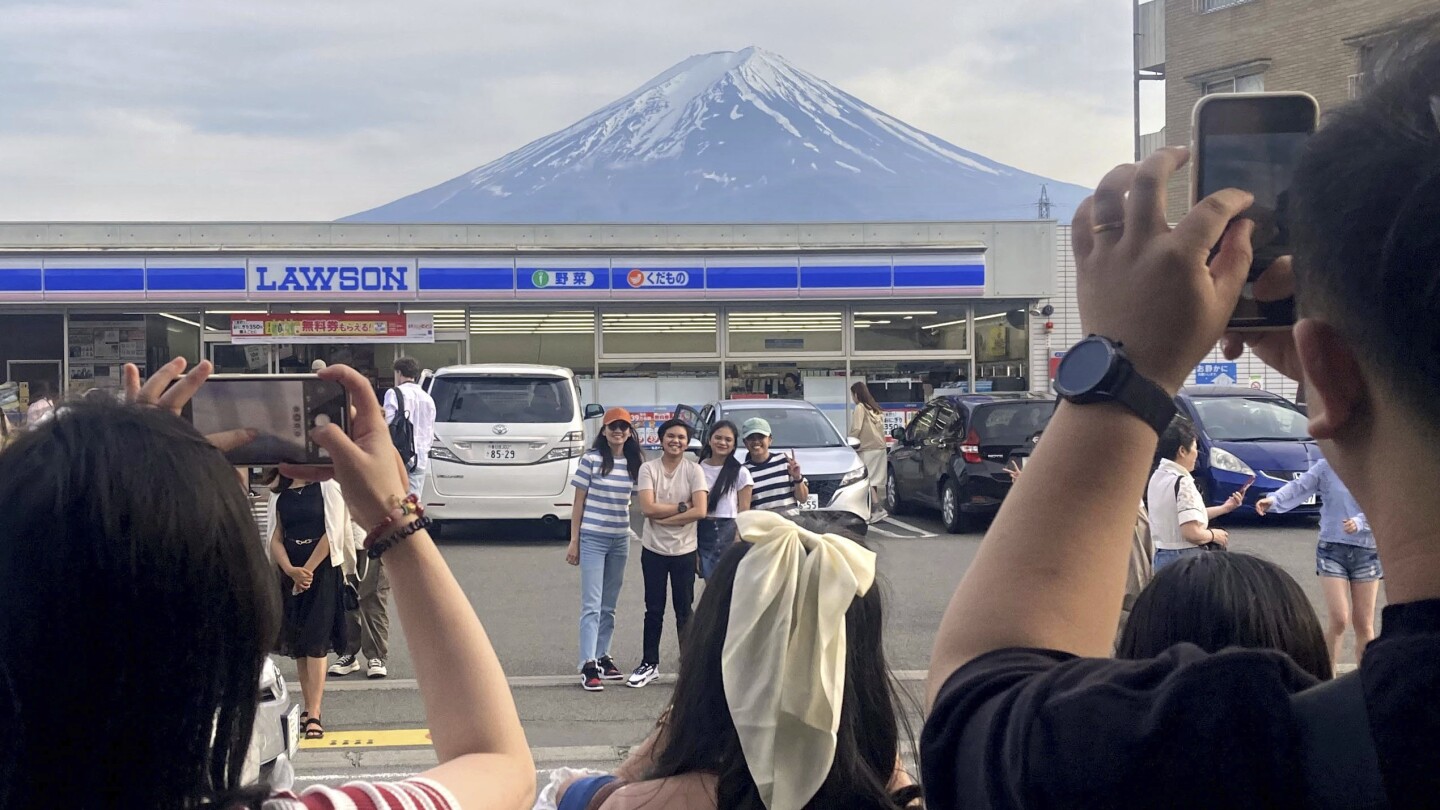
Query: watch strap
[[1147, 400]]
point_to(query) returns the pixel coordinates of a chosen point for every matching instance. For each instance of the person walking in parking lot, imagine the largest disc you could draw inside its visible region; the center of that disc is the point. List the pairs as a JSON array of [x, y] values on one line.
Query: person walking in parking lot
[[372, 619], [600, 540], [1179, 519], [867, 425], [673, 497], [1346, 559], [730, 489], [779, 484]]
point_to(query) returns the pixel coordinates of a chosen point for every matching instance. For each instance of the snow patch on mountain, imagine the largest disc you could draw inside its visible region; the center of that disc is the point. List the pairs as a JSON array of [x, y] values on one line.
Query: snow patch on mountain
[[756, 122]]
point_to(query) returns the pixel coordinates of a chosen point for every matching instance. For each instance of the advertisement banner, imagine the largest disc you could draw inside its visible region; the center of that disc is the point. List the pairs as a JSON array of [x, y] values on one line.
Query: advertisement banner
[[411, 327]]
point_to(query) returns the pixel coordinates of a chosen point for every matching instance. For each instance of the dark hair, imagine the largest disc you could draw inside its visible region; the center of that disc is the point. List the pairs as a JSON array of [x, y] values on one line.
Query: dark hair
[[864, 397], [39, 390], [1179, 435], [633, 457], [275, 481], [730, 470], [791, 375], [670, 423], [408, 367], [1366, 202], [704, 737], [1226, 599], [150, 558]]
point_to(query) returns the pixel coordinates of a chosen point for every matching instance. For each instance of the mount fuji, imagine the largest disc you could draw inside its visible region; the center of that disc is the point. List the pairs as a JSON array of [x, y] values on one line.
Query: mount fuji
[[734, 137]]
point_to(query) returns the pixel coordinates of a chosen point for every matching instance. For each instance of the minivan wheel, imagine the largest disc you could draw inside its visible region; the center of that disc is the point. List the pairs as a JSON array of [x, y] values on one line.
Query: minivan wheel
[[956, 521], [893, 504]]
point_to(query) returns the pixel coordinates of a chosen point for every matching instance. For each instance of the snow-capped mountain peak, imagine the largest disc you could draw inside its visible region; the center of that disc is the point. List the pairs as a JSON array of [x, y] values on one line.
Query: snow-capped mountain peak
[[732, 136]]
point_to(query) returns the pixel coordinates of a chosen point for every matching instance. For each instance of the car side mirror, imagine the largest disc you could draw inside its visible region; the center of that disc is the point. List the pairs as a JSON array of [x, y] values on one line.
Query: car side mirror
[[593, 411], [853, 442], [898, 434]]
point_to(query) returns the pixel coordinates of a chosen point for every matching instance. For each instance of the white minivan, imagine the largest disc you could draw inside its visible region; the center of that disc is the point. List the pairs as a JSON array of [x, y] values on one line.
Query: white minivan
[[507, 440]]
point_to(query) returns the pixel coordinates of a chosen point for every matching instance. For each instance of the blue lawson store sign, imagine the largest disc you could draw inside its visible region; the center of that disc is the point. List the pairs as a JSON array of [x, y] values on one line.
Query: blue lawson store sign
[[397, 278]]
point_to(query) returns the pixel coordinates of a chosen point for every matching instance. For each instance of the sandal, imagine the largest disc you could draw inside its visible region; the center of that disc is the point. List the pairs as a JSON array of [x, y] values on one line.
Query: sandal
[[313, 729]]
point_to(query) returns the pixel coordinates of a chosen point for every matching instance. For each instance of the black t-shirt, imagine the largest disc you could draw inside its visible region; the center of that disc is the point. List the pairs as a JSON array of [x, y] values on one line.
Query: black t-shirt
[[1038, 728]]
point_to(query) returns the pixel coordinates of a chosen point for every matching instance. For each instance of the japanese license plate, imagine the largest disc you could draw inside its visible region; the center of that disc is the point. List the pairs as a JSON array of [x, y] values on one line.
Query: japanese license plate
[[292, 730], [812, 502], [500, 452]]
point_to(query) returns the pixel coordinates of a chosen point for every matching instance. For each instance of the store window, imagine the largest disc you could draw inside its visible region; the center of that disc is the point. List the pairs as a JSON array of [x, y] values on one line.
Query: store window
[[690, 330], [217, 321], [1002, 345], [650, 391], [31, 350], [565, 339], [781, 333], [938, 327], [902, 387], [101, 344]]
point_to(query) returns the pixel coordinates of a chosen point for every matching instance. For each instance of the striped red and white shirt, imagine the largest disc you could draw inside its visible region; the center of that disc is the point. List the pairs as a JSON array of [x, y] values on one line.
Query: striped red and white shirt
[[411, 794]]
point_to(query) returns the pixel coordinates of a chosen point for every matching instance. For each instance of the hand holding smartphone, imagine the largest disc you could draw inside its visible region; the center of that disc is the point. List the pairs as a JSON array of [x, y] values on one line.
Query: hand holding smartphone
[[1252, 141], [281, 408]]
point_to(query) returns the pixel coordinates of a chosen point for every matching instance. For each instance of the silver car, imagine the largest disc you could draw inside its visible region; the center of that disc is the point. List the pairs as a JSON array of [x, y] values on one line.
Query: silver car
[[839, 485], [276, 736]]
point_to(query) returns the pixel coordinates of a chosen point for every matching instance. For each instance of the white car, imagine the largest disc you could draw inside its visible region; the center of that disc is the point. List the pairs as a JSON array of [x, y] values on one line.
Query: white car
[[270, 760], [507, 440]]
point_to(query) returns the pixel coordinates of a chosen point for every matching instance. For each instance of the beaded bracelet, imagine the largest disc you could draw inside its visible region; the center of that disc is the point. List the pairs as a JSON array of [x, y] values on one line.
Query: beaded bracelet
[[409, 506], [382, 546]]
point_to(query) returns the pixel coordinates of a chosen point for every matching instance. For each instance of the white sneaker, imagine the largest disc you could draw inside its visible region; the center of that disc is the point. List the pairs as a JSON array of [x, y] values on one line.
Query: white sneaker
[[344, 665], [376, 669], [643, 674]]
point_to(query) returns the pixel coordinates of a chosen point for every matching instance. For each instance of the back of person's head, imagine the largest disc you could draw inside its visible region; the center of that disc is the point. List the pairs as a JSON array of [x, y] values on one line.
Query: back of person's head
[[863, 395], [1367, 221], [1179, 435], [1224, 599], [408, 367], [135, 614], [39, 390], [702, 734]]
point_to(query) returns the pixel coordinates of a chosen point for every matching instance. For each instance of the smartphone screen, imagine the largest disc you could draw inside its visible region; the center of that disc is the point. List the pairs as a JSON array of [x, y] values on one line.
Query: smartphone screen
[[1252, 142], [283, 408]]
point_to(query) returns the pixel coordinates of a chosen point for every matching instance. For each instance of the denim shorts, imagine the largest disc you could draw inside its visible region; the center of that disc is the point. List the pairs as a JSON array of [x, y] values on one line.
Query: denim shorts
[[1348, 562]]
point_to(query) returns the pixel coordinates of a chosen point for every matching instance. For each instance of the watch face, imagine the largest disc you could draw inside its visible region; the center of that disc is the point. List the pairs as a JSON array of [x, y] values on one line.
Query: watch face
[[1084, 367]]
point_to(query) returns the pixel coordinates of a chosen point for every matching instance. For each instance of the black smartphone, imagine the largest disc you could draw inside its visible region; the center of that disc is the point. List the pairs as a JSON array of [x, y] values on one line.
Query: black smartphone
[[283, 408], [1252, 141]]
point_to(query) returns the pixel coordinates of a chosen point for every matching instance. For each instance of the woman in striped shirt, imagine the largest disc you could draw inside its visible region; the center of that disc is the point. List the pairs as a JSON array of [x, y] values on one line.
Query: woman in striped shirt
[[600, 540]]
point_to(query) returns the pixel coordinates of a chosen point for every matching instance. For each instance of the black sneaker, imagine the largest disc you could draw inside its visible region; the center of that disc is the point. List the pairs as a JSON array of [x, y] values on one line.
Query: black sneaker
[[643, 674], [590, 678], [344, 665], [608, 670]]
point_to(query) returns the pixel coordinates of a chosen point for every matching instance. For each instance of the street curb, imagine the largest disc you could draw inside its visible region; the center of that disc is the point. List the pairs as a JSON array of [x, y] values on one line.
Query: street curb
[[517, 682]]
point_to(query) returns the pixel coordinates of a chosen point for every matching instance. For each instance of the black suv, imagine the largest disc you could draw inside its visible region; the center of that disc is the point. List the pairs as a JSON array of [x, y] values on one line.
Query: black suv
[[953, 454]]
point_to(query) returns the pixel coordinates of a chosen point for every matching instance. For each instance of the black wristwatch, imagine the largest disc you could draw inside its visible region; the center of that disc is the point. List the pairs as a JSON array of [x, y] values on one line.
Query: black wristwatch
[[1097, 370], [682, 508]]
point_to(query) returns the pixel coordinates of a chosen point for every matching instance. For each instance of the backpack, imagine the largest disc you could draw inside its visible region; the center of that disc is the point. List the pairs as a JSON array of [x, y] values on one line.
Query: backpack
[[402, 432]]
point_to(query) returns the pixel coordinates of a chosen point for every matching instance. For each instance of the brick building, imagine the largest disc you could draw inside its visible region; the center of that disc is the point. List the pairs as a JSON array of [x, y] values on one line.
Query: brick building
[[1323, 47]]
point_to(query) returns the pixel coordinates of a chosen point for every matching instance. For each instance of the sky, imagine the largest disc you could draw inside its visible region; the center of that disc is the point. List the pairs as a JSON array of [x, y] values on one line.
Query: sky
[[298, 110]]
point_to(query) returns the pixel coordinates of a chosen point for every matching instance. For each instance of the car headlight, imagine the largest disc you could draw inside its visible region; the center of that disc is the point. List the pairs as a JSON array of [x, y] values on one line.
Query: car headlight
[[1229, 462], [855, 476], [440, 452]]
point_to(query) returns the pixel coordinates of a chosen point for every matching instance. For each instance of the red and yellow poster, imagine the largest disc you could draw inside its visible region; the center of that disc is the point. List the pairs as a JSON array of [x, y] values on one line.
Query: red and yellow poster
[[411, 327]]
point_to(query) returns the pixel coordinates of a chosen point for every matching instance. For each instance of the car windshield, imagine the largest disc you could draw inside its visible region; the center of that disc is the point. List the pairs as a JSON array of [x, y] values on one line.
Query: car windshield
[[501, 399], [1246, 419], [1012, 423], [796, 428]]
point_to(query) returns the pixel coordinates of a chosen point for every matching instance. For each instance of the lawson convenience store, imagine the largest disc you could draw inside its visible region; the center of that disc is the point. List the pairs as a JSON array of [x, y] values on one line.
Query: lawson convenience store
[[647, 316]]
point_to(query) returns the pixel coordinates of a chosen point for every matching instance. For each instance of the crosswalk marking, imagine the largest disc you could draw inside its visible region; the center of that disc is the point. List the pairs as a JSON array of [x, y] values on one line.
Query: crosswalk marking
[[902, 524]]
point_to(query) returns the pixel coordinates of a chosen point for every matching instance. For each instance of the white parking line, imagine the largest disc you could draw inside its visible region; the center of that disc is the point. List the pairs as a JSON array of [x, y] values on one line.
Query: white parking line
[[878, 530], [902, 524]]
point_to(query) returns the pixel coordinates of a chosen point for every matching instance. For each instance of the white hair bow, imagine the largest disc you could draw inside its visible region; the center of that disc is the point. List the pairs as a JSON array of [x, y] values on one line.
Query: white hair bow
[[784, 658]]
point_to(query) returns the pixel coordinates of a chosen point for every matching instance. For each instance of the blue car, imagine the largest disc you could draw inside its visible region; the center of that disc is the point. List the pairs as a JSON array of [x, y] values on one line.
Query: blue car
[[1245, 433]]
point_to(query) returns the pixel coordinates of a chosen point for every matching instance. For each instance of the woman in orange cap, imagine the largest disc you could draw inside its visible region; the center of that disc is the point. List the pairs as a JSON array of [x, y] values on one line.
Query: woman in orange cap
[[600, 540]]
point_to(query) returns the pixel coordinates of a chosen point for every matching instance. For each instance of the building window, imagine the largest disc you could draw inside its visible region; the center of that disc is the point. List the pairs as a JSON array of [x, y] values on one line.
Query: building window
[[1207, 6], [688, 331], [774, 332], [891, 328], [558, 338], [1253, 83]]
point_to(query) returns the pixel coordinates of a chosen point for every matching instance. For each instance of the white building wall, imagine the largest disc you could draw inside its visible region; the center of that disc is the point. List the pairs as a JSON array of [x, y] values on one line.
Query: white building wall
[[1249, 369]]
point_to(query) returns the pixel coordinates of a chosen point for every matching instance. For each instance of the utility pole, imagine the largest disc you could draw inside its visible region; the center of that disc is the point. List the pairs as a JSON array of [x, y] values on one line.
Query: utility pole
[[1043, 206]]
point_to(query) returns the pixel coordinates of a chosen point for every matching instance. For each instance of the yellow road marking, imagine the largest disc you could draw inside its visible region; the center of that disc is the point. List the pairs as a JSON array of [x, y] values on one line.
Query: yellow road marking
[[379, 738]]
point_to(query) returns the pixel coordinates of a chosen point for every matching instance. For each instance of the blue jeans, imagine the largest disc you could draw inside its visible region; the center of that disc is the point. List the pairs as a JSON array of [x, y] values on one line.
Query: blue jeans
[[714, 537], [1165, 556], [602, 572]]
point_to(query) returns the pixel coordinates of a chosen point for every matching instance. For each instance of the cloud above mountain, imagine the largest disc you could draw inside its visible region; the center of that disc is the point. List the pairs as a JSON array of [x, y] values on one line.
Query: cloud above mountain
[[309, 110]]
